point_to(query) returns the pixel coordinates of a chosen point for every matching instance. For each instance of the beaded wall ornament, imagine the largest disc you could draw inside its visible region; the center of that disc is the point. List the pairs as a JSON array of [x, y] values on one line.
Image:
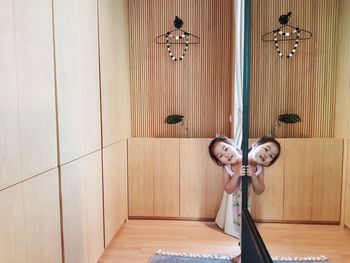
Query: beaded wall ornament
[[295, 34], [177, 37], [287, 34]]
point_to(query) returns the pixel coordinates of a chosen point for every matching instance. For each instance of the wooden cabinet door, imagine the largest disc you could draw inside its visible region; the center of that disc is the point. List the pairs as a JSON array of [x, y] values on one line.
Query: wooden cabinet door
[[36, 86], [77, 73], [347, 185], [13, 232], [327, 180], [115, 188], [42, 218], [140, 176], [82, 210], [299, 161], [166, 177], [201, 181], [10, 148], [153, 172], [269, 205], [313, 172], [114, 70], [30, 220]]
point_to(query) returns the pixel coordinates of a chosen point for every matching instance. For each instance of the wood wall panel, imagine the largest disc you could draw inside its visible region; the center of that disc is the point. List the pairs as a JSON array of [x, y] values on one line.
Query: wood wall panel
[[303, 84], [198, 87], [82, 209], [77, 71], [10, 151], [115, 70], [115, 188]]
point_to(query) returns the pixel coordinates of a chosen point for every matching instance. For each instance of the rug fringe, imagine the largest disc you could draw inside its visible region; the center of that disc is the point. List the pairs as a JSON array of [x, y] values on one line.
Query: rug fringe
[[191, 255], [214, 256]]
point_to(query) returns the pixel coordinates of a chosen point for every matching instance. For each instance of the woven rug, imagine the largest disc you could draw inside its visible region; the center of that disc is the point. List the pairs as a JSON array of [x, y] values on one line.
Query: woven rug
[[171, 257]]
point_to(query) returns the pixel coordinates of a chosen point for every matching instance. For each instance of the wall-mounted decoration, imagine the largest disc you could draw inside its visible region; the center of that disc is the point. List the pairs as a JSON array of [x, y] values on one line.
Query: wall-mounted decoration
[[284, 118], [175, 118], [286, 33], [177, 37]]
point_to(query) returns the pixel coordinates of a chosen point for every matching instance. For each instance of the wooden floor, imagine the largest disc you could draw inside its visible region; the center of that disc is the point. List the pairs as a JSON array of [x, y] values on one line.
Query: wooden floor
[[137, 240]]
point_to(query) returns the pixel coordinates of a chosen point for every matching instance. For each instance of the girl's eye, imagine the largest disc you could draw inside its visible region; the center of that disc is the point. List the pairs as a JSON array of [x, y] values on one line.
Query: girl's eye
[[220, 155], [266, 149], [271, 156], [226, 149]]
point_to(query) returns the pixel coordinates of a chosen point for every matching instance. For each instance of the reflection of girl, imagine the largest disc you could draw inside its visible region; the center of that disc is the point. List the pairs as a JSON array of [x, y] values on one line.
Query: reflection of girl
[[264, 152]]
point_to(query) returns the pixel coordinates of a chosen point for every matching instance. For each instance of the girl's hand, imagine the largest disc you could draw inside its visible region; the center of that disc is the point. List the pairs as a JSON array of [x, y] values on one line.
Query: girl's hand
[[245, 170]]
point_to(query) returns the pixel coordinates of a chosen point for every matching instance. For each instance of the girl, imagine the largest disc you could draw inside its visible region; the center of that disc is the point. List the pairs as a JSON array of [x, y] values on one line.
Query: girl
[[264, 152]]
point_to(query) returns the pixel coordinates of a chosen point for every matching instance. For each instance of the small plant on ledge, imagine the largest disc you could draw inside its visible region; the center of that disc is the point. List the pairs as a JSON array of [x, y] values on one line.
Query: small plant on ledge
[[174, 119], [284, 118]]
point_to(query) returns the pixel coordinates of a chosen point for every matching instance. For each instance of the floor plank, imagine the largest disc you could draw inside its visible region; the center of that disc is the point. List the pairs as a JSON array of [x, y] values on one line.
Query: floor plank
[[137, 240]]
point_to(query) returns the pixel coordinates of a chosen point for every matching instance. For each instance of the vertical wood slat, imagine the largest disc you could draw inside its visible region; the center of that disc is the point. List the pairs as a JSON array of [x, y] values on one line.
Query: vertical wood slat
[[303, 84], [199, 86]]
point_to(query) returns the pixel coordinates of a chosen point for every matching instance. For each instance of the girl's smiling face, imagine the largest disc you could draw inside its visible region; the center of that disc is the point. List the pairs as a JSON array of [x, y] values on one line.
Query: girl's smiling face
[[263, 154], [226, 153]]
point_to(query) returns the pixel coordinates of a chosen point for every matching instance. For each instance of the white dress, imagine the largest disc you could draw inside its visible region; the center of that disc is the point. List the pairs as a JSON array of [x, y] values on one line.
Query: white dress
[[229, 214]]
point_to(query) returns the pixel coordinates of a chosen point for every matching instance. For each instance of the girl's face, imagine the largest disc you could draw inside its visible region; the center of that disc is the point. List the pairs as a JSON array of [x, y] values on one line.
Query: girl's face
[[263, 154], [226, 153]]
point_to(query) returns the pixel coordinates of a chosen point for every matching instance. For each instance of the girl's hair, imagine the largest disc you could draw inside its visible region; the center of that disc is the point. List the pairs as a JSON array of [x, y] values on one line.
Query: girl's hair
[[212, 144], [269, 138]]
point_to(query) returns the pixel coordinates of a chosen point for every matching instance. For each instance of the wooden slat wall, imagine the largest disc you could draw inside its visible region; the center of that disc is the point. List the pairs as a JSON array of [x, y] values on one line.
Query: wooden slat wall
[[304, 84], [198, 87]]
